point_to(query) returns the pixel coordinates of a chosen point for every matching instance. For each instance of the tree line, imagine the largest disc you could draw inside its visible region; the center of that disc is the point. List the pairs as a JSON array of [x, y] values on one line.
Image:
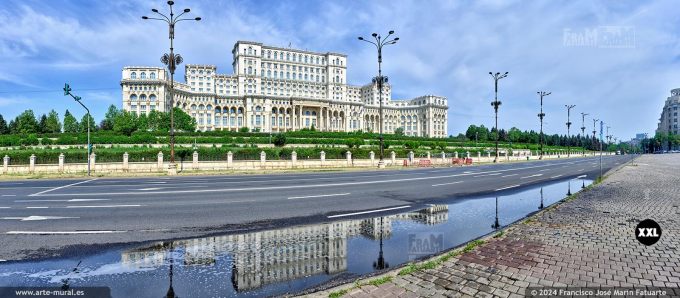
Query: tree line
[[116, 120], [515, 135]]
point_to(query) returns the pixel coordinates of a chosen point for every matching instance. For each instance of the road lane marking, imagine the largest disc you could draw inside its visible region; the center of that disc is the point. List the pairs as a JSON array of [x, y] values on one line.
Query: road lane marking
[[508, 187], [102, 206], [60, 187], [151, 188], [61, 232], [38, 217], [543, 170], [509, 175], [553, 177], [39, 207], [534, 175], [282, 187], [447, 183], [5, 207], [71, 200], [582, 176], [319, 196], [493, 174], [369, 211]]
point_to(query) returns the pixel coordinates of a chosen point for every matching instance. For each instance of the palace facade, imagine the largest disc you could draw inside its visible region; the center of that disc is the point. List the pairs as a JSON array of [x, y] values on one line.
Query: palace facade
[[668, 121], [281, 89]]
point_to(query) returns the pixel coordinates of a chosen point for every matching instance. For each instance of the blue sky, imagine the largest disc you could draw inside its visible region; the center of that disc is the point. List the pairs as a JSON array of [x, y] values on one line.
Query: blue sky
[[446, 48]]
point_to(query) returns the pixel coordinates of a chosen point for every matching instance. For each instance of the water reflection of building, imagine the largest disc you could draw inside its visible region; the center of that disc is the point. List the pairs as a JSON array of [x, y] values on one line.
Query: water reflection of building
[[265, 257]]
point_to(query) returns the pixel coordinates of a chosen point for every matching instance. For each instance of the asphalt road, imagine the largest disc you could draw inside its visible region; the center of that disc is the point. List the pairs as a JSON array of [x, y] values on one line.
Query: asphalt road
[[40, 218]]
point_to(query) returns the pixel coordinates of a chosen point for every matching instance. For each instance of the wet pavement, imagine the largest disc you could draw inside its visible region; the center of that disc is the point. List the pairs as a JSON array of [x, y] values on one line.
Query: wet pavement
[[287, 260]]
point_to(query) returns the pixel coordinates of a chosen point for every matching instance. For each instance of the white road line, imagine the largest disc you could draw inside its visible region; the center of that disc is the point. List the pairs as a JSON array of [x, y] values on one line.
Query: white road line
[[582, 176], [319, 196], [509, 175], [5, 207], [370, 211], [447, 183], [60, 232], [38, 217], [284, 186], [543, 170], [71, 200], [553, 177], [581, 170], [534, 175], [151, 188], [9, 195], [60, 187], [507, 187], [102, 206], [493, 174], [40, 207]]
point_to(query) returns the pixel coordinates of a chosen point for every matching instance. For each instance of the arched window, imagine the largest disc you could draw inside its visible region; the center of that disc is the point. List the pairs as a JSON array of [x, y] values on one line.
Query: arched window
[[133, 97], [152, 76], [142, 97], [258, 109], [142, 75], [152, 97], [133, 75], [313, 113], [307, 113], [287, 56], [250, 70]]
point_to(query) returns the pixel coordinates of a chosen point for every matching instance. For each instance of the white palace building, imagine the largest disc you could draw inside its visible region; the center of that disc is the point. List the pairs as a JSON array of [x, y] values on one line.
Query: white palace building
[[281, 89]]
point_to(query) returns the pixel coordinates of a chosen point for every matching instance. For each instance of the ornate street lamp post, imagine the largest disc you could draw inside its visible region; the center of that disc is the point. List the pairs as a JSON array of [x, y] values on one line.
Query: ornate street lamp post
[[583, 131], [569, 107], [172, 60], [540, 116], [379, 43], [496, 103]]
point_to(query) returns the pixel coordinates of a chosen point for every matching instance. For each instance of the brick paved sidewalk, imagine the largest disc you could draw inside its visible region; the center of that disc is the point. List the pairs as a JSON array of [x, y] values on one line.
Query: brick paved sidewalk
[[589, 241]]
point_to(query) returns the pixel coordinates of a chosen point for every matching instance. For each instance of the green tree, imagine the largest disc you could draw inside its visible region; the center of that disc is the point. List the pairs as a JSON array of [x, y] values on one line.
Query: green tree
[[42, 124], [125, 123], [83, 123], [514, 135], [26, 122], [399, 131], [70, 123], [109, 117], [53, 125], [143, 122], [12, 127], [183, 121], [279, 140], [155, 120], [3, 126]]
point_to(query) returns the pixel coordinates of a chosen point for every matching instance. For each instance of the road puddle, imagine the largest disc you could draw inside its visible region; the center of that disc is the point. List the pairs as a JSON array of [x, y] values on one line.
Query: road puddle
[[290, 259]]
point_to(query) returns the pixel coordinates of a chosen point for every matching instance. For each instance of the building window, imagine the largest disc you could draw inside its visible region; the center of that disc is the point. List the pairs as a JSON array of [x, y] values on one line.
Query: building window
[[133, 75], [152, 76]]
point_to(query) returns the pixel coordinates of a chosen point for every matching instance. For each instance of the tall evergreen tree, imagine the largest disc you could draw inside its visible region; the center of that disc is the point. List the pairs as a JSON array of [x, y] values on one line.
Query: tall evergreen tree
[[109, 118], [83, 123], [26, 122], [42, 124], [3, 126], [70, 123], [53, 124]]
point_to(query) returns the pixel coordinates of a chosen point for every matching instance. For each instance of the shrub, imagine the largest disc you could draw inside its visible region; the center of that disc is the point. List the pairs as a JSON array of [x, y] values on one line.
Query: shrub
[[279, 140]]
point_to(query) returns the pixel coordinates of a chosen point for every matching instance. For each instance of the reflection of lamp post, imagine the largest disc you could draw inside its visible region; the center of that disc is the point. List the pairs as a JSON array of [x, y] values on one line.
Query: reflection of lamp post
[[380, 264], [171, 290], [541, 206], [496, 224], [583, 131], [584, 183], [569, 185], [171, 60]]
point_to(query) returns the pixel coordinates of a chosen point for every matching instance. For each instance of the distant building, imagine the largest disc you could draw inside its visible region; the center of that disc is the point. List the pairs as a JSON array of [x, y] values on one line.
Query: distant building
[[668, 122], [277, 89]]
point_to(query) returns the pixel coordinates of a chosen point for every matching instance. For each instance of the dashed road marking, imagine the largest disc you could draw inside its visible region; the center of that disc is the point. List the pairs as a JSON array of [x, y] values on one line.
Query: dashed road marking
[[534, 175], [508, 187], [440, 184], [62, 232], [102, 206], [38, 217], [319, 196]]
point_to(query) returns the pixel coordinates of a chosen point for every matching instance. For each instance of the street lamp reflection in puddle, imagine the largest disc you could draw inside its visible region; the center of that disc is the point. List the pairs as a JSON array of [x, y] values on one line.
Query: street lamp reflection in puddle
[[171, 290], [541, 206], [496, 224], [569, 186], [381, 264]]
